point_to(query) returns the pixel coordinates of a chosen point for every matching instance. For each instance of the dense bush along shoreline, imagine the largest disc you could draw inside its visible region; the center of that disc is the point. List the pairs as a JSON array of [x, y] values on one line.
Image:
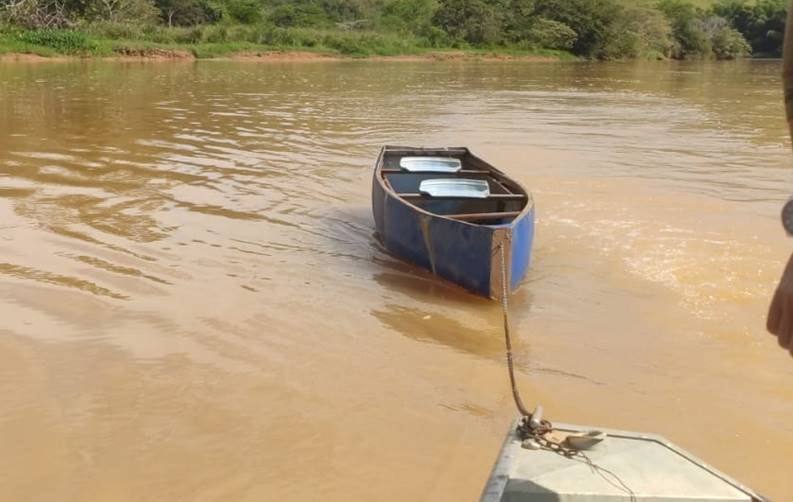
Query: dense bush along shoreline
[[601, 29]]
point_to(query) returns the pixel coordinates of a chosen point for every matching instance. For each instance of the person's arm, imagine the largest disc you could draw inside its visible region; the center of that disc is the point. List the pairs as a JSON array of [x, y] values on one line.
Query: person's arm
[[780, 313]]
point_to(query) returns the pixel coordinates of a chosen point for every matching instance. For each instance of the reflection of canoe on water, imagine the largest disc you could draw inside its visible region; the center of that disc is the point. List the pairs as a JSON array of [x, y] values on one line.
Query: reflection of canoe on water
[[453, 214]]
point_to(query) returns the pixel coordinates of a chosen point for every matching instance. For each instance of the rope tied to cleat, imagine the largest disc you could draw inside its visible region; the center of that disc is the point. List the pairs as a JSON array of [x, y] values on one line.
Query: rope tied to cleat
[[533, 430]]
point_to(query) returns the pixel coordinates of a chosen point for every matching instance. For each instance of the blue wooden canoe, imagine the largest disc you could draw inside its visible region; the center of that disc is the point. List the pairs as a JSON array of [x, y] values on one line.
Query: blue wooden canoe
[[449, 212]]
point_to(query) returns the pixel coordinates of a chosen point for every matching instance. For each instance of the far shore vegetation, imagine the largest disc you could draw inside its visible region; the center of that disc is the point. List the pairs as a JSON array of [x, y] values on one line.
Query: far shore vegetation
[[597, 29]]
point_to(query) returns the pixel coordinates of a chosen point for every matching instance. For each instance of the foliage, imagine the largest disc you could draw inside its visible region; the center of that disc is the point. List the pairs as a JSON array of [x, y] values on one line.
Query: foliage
[[62, 41], [683, 18], [521, 18], [606, 29], [244, 11], [761, 23], [299, 15], [470, 21], [550, 34], [139, 11], [697, 33], [725, 42], [592, 20], [187, 12], [638, 32], [36, 14], [410, 16]]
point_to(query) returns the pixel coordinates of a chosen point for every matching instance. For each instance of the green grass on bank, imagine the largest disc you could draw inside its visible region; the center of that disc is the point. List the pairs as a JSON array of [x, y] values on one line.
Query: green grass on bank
[[213, 41]]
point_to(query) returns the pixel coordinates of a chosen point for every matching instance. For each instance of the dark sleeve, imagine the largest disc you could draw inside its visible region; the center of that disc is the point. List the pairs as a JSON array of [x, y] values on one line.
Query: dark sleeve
[[787, 63]]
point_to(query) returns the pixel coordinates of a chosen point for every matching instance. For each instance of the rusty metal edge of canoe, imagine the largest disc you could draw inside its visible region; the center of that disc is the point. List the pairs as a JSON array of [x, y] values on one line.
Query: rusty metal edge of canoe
[[459, 251]]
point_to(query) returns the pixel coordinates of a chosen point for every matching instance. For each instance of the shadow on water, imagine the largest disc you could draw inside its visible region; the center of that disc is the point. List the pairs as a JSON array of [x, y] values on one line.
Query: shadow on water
[[428, 309], [422, 286], [437, 320], [427, 325]]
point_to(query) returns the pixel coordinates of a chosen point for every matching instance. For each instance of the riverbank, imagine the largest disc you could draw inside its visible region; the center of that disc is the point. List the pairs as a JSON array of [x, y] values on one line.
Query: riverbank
[[282, 56], [69, 45]]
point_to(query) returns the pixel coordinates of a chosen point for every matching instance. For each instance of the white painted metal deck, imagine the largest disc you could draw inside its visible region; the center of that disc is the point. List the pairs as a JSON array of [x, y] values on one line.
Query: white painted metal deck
[[651, 468]]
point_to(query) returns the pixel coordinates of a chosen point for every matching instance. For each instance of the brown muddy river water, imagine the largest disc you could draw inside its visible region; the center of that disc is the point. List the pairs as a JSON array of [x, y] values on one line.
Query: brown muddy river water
[[193, 307]]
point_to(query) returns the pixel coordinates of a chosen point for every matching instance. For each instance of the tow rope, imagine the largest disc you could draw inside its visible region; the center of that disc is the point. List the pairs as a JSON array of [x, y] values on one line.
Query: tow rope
[[507, 340], [531, 425], [532, 429]]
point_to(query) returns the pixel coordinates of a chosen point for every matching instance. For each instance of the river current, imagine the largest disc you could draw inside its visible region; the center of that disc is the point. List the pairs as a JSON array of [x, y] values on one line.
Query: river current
[[193, 306]]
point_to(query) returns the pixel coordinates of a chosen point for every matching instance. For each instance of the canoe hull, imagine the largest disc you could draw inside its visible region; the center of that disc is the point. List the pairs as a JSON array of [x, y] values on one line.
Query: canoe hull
[[464, 253]]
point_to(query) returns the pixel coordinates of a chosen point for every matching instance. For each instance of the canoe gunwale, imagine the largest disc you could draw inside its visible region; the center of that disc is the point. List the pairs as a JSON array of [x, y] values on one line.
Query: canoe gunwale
[[528, 207]]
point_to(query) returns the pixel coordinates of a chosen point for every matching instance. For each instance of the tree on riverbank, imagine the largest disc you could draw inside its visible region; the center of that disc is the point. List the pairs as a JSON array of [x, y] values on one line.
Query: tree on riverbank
[[762, 23], [605, 29]]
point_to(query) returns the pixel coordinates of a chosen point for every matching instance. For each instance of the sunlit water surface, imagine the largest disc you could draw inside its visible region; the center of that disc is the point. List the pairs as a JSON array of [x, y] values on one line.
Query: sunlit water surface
[[194, 307]]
